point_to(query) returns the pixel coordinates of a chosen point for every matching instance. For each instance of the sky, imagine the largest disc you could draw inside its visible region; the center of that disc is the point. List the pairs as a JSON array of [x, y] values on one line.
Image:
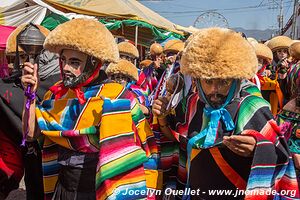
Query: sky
[[251, 14]]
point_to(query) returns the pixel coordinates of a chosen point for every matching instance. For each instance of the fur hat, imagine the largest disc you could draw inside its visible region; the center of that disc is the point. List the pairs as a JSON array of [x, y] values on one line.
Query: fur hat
[[156, 49], [263, 51], [85, 35], [174, 46], [12, 39], [128, 49], [280, 42], [123, 67], [219, 53], [146, 63], [295, 50], [189, 39]]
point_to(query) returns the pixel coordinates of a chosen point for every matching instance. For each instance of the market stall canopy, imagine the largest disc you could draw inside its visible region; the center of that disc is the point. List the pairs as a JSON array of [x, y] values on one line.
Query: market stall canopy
[[114, 9], [124, 18], [146, 33], [189, 29], [17, 12], [5, 32]]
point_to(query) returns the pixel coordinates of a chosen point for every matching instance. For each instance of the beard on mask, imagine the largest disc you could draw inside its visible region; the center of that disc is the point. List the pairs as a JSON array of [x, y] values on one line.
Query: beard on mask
[[68, 79], [216, 100], [71, 81]]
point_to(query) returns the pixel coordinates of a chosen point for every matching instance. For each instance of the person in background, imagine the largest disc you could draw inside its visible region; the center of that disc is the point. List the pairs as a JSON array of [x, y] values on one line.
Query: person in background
[[279, 45], [281, 61], [289, 117], [150, 71], [128, 51], [172, 51], [124, 72], [265, 58], [293, 73], [11, 97], [270, 88], [157, 56], [289, 120]]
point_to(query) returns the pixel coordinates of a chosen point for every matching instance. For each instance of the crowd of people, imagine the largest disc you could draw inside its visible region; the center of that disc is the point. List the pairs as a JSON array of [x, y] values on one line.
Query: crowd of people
[[216, 112]]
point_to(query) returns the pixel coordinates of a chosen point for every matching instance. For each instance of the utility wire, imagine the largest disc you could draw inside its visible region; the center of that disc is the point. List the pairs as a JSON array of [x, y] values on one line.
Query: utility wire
[[261, 5], [224, 12]]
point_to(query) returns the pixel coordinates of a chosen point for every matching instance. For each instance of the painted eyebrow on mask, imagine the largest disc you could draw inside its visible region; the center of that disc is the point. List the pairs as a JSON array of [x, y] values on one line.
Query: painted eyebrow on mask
[[75, 59]]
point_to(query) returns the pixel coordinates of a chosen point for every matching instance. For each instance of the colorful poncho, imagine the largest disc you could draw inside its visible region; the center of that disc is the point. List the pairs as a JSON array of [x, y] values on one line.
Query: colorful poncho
[[271, 166], [270, 90], [144, 86], [114, 127], [290, 123], [293, 78], [290, 127], [251, 88]]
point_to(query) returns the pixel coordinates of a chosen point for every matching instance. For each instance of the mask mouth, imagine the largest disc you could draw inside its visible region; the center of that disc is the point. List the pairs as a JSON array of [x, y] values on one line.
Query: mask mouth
[[69, 79]]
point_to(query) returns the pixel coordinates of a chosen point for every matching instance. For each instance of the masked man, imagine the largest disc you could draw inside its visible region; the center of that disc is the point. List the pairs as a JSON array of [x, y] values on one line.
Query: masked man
[[281, 62], [289, 117], [157, 56], [172, 50], [228, 139], [125, 73], [94, 137], [128, 51], [269, 86]]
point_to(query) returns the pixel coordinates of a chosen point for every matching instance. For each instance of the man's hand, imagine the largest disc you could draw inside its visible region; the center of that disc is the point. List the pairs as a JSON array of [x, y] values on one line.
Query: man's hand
[[159, 107], [285, 63], [30, 76], [144, 109], [242, 145]]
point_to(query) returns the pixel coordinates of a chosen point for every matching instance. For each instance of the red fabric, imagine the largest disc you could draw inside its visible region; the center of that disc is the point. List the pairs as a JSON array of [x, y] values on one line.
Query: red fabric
[[260, 77], [5, 31], [261, 70], [60, 90], [11, 161]]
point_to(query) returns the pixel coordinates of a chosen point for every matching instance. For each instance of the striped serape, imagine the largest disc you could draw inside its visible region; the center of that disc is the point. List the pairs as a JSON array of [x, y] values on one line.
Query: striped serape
[[270, 168], [111, 123]]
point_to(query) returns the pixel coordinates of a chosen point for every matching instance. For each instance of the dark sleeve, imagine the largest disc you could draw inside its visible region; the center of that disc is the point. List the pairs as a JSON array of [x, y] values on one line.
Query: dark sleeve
[[11, 107]]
